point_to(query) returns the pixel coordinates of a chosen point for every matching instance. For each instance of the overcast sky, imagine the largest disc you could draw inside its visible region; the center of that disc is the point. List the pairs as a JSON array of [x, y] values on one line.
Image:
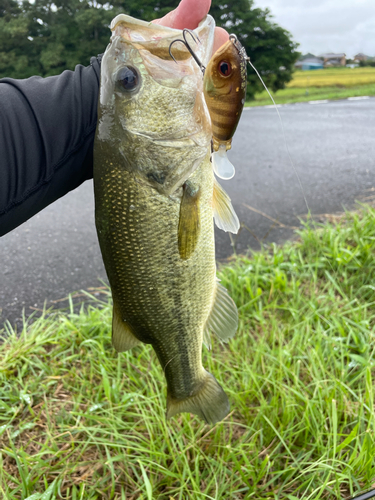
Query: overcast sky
[[327, 25]]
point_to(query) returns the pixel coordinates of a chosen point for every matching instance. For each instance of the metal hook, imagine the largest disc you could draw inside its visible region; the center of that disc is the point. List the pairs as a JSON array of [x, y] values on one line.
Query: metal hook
[[185, 42], [241, 49]]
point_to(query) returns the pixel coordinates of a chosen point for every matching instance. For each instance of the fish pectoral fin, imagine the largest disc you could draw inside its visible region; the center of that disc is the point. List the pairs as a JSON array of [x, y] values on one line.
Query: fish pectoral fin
[[224, 214], [189, 226], [123, 338], [209, 402], [223, 318]]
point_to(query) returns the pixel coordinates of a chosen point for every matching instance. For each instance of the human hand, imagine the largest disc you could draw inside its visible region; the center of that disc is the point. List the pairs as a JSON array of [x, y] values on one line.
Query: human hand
[[189, 14]]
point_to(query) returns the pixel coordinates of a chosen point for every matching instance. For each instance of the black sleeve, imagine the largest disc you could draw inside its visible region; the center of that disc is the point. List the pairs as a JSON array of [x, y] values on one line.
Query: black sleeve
[[47, 128]]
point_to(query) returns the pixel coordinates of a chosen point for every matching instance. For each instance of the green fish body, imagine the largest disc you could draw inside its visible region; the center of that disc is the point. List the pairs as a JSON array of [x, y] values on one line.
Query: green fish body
[[155, 198]]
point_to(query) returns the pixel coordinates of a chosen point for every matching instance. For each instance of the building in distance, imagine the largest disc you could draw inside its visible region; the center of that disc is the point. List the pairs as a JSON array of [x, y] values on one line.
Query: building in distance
[[309, 63], [332, 60], [361, 57], [329, 60]]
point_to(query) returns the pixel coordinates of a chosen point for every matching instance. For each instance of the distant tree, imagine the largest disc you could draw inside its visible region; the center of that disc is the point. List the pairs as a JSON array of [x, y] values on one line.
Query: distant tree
[[46, 37], [14, 44], [369, 62]]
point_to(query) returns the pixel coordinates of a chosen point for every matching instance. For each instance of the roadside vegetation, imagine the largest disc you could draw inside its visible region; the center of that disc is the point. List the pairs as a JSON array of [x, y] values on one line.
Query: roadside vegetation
[[333, 83], [78, 421]]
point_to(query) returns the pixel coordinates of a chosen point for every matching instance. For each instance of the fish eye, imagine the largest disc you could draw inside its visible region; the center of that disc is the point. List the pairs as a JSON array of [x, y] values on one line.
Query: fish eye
[[127, 79], [225, 68]]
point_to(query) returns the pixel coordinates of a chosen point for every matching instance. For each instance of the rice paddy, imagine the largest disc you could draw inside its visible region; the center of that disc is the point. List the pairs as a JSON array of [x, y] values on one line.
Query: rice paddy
[[332, 83], [330, 77]]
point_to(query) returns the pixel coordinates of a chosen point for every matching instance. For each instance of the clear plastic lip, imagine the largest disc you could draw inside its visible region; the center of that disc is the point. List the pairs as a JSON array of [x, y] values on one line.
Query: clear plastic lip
[[223, 168]]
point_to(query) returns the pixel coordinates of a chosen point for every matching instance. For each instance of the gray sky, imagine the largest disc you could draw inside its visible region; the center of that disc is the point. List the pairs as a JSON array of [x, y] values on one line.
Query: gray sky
[[327, 25]]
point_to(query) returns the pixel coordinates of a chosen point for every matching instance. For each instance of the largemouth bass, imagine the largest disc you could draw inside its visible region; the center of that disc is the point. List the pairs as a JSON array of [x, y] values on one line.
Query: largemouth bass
[[155, 198]]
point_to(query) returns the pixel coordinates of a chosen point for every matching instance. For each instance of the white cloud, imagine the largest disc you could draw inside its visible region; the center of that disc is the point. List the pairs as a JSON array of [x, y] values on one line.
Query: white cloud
[[327, 25]]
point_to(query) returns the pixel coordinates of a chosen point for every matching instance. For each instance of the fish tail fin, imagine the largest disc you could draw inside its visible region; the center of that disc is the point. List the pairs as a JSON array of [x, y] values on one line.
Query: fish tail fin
[[209, 402]]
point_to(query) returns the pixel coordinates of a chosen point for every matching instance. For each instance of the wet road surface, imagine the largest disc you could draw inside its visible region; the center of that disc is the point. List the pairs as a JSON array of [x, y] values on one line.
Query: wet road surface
[[332, 146]]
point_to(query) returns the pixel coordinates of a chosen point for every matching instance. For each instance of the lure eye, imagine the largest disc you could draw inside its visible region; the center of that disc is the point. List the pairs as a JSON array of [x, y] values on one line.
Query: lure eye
[[127, 79], [225, 68]]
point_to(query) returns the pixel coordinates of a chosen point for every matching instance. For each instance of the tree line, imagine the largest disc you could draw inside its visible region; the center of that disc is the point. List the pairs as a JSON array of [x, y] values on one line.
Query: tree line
[[47, 37]]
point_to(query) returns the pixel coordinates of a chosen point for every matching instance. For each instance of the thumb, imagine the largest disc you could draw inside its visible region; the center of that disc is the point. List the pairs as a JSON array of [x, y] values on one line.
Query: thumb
[[188, 14]]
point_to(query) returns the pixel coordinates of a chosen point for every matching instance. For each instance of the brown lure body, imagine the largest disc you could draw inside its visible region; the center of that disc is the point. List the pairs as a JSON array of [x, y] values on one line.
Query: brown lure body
[[224, 87]]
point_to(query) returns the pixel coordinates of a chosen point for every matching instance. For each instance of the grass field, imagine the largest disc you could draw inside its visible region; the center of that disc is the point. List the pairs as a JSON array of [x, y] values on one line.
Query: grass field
[[334, 83], [78, 421]]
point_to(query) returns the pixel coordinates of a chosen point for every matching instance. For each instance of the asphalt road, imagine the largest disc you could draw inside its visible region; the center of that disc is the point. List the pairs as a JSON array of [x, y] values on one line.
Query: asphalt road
[[332, 146]]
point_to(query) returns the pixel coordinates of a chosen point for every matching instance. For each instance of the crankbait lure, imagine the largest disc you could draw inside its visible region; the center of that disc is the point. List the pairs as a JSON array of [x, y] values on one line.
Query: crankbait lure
[[224, 88]]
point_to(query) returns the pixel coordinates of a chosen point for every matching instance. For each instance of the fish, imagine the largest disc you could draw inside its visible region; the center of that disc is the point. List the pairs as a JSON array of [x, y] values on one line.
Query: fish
[[155, 200], [225, 82]]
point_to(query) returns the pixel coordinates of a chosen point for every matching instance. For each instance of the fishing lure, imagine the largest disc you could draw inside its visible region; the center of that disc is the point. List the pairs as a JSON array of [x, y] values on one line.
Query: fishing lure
[[224, 86]]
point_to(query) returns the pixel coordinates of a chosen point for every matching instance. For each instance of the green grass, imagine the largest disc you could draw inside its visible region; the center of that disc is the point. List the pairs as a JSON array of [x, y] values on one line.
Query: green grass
[[333, 83], [78, 421]]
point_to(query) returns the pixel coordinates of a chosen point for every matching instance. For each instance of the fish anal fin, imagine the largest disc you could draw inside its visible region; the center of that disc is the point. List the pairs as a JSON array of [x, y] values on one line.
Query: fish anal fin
[[123, 338], [209, 402], [188, 227], [223, 318], [224, 214]]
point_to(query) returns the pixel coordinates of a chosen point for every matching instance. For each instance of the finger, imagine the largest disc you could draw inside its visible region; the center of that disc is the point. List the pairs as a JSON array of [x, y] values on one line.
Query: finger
[[188, 14], [221, 37]]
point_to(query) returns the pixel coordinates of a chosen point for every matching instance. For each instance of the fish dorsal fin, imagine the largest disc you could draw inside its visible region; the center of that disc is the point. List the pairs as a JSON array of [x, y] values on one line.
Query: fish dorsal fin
[[223, 319], [188, 227], [224, 214], [123, 338]]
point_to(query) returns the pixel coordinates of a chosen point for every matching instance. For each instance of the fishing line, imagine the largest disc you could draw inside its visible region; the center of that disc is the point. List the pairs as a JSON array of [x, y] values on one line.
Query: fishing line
[[283, 130], [284, 136]]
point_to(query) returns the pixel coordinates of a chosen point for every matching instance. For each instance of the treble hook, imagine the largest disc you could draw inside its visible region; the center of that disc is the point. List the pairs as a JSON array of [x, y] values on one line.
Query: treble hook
[[185, 42]]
